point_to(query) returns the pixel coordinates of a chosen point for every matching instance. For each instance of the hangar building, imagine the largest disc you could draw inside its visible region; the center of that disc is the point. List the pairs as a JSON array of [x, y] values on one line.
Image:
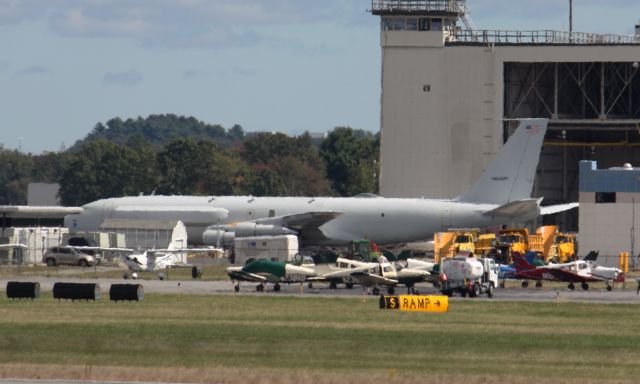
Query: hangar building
[[449, 90]]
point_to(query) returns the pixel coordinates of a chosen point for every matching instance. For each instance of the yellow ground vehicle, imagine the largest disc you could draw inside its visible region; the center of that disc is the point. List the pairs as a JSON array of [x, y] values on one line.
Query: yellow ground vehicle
[[486, 245], [517, 240], [558, 246], [442, 242], [547, 242], [464, 242], [448, 244], [564, 247]]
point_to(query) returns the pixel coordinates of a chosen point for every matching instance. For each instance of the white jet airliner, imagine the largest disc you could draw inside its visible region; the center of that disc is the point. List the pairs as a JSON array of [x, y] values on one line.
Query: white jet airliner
[[502, 195]]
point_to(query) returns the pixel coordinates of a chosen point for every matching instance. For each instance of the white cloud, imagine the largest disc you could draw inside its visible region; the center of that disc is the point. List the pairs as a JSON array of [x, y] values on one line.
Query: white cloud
[[126, 79], [33, 71], [175, 23]]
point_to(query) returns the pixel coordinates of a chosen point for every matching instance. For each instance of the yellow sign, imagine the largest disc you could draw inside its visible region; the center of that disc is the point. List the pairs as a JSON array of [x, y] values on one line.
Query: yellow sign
[[415, 303]]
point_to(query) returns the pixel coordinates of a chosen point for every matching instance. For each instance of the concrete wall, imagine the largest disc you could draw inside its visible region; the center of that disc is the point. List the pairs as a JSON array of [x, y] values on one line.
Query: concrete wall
[[609, 228], [442, 107]]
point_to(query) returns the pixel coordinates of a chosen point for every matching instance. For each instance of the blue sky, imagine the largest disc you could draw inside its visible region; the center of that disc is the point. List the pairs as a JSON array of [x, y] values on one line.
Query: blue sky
[[268, 65]]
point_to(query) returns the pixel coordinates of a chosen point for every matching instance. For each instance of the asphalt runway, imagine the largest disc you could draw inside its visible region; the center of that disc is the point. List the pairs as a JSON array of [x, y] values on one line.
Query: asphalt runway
[[596, 294]]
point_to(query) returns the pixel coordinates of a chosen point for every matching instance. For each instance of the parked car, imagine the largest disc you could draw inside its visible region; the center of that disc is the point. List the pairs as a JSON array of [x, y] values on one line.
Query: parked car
[[69, 256]]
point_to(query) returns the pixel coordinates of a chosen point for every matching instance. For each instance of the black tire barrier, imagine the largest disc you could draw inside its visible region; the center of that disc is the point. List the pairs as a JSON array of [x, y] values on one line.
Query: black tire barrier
[[23, 290], [126, 292], [196, 272], [76, 291]]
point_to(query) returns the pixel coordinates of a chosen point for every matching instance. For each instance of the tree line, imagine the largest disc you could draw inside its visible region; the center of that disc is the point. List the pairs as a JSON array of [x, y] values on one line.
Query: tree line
[[171, 155]]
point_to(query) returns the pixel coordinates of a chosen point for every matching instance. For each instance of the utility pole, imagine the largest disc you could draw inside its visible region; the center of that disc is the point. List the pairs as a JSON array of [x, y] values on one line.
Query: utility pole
[[570, 17]]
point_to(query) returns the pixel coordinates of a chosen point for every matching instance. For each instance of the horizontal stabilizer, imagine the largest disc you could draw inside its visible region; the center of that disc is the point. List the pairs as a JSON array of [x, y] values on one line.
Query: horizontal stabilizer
[[557, 208], [515, 209]]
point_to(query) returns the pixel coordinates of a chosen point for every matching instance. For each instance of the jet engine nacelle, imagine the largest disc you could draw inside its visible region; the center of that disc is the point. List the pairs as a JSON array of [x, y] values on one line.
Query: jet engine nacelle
[[226, 234], [247, 229]]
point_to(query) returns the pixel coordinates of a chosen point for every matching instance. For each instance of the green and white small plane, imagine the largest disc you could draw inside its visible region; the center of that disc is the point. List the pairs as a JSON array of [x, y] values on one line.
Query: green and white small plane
[[265, 271]]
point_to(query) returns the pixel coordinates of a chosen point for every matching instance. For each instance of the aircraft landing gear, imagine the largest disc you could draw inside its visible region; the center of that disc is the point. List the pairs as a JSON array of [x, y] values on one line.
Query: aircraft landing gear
[[538, 284], [276, 288], [571, 286], [525, 284], [332, 285], [376, 291], [585, 286], [349, 285], [236, 287], [391, 290], [260, 288], [609, 287], [310, 285]]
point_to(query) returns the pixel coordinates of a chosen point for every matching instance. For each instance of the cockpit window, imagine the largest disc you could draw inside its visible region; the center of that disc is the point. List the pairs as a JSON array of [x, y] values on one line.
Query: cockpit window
[[510, 239], [463, 239]]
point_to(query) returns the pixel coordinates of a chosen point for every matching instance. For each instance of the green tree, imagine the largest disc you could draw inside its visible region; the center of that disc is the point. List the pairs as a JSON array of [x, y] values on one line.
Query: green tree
[[101, 170], [159, 130], [15, 174], [351, 158], [285, 166], [179, 163]]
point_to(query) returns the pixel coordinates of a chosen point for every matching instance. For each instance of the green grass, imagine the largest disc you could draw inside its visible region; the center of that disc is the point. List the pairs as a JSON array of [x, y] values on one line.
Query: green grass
[[350, 337]]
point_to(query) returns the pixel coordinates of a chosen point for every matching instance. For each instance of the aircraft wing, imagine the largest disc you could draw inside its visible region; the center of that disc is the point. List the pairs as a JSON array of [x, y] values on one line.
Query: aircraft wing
[[568, 276], [246, 276], [369, 279], [186, 250], [307, 224], [557, 208], [5, 246], [344, 273], [517, 208], [301, 220], [89, 248]]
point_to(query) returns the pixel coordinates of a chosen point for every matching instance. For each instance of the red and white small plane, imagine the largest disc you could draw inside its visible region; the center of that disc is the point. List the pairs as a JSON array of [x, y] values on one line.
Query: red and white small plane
[[578, 271]]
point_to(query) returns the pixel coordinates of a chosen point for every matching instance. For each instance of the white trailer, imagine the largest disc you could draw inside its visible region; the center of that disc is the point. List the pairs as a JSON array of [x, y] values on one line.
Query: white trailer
[[467, 275], [274, 248]]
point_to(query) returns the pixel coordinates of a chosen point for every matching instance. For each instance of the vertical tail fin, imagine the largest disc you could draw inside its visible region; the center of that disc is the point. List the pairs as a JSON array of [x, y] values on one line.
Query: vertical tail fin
[[520, 263], [510, 175]]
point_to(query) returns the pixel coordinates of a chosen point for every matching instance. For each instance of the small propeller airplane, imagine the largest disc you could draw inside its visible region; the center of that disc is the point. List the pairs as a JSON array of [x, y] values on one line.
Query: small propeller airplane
[[369, 274], [578, 271], [265, 271]]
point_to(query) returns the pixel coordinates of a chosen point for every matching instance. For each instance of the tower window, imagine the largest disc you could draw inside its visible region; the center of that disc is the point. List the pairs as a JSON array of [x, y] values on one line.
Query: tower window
[[412, 24], [399, 24], [387, 23], [436, 24], [423, 24]]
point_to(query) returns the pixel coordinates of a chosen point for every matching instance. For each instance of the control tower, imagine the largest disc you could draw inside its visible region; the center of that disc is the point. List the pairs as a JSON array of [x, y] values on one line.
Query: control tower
[[450, 93]]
